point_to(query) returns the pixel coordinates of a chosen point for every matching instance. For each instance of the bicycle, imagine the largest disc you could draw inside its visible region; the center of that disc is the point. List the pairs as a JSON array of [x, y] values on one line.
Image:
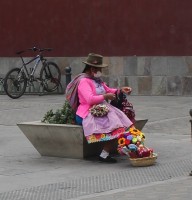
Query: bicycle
[[17, 79]]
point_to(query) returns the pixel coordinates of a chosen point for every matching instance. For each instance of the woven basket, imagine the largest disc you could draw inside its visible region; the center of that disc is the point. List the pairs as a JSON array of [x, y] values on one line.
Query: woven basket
[[142, 162]]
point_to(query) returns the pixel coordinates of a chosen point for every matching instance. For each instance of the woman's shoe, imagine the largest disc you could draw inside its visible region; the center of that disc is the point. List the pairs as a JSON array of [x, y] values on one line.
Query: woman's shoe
[[109, 159]]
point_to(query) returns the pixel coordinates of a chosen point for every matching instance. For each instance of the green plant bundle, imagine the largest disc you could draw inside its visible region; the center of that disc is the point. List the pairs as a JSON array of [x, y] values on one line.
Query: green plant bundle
[[65, 115]]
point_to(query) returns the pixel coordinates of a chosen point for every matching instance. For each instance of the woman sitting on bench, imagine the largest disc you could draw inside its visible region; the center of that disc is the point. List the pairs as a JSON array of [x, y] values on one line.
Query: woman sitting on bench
[[88, 96]]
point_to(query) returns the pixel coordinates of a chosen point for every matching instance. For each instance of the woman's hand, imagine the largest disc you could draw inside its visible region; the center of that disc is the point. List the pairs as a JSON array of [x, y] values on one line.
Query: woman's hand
[[109, 96], [126, 90]]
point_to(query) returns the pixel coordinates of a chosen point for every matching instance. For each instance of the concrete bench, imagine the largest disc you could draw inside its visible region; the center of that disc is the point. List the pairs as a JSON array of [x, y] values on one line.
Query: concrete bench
[[62, 140]]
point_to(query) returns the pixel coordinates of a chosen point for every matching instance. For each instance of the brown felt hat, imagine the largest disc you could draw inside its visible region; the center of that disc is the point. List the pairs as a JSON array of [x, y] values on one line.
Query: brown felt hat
[[95, 60]]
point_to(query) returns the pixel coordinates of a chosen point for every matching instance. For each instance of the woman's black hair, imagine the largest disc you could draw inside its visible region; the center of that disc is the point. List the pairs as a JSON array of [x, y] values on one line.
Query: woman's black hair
[[87, 67]]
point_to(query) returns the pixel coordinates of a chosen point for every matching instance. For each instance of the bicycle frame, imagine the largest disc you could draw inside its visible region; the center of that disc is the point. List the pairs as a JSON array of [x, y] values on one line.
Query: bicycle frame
[[30, 73]]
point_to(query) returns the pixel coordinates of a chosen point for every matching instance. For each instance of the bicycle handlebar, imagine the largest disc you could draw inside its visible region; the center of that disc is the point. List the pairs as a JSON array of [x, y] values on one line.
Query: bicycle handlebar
[[40, 50], [35, 49]]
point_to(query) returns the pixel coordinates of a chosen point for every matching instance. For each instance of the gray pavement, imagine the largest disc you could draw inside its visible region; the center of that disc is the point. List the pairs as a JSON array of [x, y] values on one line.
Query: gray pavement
[[24, 174]]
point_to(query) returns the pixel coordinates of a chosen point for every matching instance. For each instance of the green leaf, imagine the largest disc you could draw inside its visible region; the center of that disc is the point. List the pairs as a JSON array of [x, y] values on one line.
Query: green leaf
[[65, 115]]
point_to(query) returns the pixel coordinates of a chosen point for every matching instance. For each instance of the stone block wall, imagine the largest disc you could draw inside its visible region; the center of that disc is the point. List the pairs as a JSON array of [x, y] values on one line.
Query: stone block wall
[[157, 75], [152, 75]]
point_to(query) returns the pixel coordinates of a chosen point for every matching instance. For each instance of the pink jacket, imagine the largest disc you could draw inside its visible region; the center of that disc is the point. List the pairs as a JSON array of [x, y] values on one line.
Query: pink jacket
[[88, 97]]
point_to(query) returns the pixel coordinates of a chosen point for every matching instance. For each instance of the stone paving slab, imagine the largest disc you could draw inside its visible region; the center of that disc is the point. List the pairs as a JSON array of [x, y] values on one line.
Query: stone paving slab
[[163, 113], [24, 174], [80, 187], [174, 189]]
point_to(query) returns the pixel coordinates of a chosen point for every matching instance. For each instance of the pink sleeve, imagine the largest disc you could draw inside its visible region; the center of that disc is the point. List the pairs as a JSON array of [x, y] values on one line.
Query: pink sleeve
[[86, 93], [108, 89]]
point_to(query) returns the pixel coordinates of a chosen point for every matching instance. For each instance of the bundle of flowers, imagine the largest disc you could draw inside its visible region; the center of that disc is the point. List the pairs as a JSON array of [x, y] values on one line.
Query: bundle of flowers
[[99, 110], [131, 143]]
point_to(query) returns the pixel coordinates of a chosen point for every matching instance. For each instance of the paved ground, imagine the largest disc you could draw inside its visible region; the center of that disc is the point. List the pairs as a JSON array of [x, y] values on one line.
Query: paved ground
[[25, 175]]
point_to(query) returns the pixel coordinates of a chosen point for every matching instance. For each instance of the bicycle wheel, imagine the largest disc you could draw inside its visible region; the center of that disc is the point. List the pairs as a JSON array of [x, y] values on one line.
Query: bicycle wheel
[[15, 83], [50, 76]]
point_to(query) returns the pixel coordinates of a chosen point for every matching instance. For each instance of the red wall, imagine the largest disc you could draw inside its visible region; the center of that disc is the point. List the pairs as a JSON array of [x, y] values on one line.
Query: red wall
[[108, 27]]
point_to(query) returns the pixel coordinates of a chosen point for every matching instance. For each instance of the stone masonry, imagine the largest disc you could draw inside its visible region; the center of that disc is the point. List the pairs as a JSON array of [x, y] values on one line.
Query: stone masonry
[[166, 75]]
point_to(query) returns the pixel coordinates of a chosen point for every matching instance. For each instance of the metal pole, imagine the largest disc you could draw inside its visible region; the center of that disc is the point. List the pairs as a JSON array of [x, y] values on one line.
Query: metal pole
[[68, 74], [190, 112]]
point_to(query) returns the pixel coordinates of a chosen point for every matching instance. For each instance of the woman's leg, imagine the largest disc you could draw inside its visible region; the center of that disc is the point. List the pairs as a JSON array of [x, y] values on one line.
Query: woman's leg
[[108, 147], [79, 120]]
